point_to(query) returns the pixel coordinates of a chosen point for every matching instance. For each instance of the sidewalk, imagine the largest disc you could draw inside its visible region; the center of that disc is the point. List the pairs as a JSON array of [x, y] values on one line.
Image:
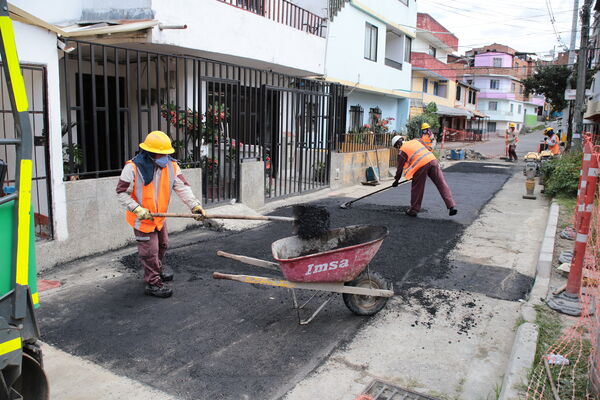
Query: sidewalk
[[447, 342]]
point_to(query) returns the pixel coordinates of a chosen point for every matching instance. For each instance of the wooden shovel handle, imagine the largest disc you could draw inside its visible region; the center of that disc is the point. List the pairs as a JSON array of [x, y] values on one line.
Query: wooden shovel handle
[[222, 216]]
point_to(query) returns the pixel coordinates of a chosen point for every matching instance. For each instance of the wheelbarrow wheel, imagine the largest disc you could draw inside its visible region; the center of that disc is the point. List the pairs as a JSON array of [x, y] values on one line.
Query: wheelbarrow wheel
[[367, 305]]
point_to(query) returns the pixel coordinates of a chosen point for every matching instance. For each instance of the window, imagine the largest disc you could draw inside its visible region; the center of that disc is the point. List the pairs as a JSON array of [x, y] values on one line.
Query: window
[[431, 51], [493, 106], [407, 49], [519, 109], [370, 42], [458, 93], [512, 108], [374, 116], [521, 89], [491, 127], [436, 88], [425, 85], [356, 118], [497, 62], [495, 84], [512, 87], [470, 81], [474, 97]]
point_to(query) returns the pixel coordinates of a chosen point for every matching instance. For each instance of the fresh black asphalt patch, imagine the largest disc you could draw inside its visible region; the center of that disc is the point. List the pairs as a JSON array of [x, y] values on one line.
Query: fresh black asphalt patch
[[227, 340]]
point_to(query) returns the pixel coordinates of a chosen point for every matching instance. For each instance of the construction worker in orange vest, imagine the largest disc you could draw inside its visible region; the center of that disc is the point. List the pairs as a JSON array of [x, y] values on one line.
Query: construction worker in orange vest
[[418, 162], [553, 141], [144, 188], [427, 136], [511, 139]]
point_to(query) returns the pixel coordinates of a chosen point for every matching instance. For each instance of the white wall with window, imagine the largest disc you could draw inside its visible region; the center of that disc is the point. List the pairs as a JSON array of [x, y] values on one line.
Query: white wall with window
[[358, 45], [390, 107]]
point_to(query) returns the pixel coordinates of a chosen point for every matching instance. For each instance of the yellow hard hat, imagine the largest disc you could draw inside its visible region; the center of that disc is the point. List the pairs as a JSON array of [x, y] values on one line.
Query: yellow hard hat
[[424, 125], [548, 129], [512, 125], [157, 142]]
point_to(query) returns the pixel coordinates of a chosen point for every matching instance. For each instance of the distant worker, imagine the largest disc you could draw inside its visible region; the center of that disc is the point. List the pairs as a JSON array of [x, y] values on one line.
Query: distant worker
[[427, 136], [553, 141], [512, 138], [418, 162], [144, 188]]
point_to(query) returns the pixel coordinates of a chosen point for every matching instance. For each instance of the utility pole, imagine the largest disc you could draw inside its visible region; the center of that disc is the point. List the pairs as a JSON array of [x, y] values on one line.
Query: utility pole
[[581, 72], [568, 124], [574, 31]]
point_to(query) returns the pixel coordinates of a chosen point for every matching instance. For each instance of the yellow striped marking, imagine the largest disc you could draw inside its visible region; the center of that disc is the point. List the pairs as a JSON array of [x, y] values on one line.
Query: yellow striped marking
[[24, 223], [35, 298], [11, 345], [266, 281], [12, 60]]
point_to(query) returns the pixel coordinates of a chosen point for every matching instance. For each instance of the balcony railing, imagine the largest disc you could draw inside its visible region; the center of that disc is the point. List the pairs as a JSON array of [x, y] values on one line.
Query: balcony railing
[[393, 64], [284, 12]]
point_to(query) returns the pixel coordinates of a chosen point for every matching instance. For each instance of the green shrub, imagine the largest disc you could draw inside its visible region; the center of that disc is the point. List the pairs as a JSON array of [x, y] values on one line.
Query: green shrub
[[561, 175], [413, 126]]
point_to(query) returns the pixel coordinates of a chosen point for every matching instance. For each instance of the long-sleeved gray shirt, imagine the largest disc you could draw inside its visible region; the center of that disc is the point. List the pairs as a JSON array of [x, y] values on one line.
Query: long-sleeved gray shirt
[[180, 186]]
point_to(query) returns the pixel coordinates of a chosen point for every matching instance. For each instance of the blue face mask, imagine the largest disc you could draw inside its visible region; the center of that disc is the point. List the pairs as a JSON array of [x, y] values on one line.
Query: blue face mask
[[162, 161]]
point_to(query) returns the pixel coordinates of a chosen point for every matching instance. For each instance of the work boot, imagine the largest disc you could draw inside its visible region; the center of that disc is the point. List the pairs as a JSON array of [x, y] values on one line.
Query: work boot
[[452, 211], [166, 273], [410, 213], [162, 291]]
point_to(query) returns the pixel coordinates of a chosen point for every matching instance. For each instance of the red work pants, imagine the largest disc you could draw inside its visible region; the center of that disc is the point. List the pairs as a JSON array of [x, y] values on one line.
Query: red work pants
[[434, 172], [151, 250]]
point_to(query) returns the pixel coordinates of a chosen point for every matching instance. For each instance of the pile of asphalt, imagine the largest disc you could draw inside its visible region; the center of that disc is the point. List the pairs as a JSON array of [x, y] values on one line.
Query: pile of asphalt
[[311, 220]]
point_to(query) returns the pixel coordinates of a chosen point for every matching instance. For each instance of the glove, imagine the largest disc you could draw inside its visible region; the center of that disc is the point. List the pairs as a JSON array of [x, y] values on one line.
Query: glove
[[142, 213], [199, 210], [395, 184]]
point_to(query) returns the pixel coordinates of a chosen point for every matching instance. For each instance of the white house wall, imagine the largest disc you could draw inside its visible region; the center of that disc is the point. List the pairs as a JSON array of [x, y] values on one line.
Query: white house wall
[[345, 50], [221, 28]]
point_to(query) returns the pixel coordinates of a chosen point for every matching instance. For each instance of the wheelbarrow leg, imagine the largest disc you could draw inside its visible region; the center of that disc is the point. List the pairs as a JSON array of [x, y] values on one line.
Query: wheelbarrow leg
[[317, 311]]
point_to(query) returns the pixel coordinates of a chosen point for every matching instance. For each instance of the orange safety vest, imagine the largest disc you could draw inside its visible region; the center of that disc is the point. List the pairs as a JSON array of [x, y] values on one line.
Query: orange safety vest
[[417, 156], [155, 197], [426, 140], [556, 148]]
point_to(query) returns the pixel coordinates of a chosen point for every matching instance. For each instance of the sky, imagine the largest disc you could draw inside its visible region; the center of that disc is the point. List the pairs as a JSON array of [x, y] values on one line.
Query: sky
[[523, 25]]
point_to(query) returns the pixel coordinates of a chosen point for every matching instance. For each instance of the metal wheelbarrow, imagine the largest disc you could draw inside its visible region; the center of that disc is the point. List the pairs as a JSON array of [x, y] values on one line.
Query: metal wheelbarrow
[[337, 262]]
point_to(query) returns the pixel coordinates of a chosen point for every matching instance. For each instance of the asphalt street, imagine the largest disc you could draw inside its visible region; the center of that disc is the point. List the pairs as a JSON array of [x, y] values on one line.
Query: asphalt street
[[228, 340]]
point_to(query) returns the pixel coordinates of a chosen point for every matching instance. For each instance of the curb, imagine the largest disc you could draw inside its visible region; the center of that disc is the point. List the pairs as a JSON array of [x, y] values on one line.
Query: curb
[[523, 350]]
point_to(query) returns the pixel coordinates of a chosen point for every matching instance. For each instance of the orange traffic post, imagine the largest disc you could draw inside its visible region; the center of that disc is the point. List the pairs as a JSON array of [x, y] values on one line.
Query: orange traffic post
[[569, 302]]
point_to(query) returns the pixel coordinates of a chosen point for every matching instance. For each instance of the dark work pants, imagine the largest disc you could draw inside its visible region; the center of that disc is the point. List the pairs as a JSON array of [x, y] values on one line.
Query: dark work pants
[[434, 172], [151, 250], [512, 154]]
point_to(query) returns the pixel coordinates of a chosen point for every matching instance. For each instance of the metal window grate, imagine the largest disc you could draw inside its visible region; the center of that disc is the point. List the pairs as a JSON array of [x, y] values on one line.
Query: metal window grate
[[378, 390]]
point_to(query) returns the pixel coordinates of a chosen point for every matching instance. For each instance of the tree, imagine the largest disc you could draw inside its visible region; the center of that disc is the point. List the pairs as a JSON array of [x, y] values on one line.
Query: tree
[[429, 115], [550, 81]]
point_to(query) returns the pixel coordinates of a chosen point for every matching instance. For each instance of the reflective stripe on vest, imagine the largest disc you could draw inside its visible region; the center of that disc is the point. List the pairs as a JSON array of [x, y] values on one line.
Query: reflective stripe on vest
[[418, 156], [155, 197], [427, 141]]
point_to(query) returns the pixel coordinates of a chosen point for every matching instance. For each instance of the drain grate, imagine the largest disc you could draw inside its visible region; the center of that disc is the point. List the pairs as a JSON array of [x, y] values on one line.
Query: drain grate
[[378, 390]]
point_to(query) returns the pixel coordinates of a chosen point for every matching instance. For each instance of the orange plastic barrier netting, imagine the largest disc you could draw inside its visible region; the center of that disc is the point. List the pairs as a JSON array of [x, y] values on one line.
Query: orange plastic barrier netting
[[573, 360]]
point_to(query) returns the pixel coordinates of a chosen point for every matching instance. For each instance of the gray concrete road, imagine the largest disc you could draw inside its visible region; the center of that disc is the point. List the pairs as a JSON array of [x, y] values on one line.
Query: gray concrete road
[[226, 340]]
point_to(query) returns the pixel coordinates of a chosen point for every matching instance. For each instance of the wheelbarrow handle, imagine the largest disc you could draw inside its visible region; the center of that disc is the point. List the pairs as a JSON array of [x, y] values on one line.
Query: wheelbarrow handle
[[223, 216]]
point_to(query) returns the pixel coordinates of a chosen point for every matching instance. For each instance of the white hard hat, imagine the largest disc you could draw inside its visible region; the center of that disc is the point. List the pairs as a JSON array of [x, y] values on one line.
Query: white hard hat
[[395, 140]]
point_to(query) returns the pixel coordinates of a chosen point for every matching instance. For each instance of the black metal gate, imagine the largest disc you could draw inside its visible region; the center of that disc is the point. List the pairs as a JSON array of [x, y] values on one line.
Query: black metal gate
[[35, 77], [216, 114], [300, 127]]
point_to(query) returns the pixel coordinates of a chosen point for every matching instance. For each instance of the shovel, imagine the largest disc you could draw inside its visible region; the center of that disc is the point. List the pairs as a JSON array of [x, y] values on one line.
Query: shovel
[[348, 204], [220, 216]]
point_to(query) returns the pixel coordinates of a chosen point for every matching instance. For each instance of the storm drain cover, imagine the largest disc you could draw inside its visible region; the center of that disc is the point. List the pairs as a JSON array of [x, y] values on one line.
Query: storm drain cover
[[379, 390]]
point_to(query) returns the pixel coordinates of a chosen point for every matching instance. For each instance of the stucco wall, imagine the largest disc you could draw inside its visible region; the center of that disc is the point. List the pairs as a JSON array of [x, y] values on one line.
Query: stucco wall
[[487, 59], [345, 50], [348, 169], [96, 220], [390, 107], [237, 32]]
